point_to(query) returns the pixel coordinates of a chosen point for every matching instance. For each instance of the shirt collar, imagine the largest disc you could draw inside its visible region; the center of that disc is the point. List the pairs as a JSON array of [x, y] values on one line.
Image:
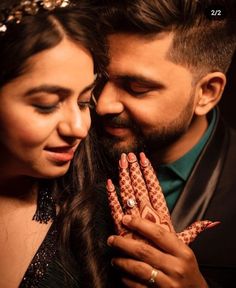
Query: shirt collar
[[184, 165]]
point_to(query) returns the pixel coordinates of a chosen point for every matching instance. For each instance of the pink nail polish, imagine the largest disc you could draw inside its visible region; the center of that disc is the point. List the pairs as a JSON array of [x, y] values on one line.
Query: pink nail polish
[[131, 157], [213, 224], [143, 160], [123, 161], [110, 187]]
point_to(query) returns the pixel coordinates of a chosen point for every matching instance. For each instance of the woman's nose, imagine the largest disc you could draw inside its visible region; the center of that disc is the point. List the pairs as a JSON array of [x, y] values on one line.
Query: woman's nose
[[75, 123]]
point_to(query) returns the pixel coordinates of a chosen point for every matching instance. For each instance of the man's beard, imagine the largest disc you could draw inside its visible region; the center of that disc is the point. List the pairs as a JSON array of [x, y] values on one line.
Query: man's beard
[[149, 141]]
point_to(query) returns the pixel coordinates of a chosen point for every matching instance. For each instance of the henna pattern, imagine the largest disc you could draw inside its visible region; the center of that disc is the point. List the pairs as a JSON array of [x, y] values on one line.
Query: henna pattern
[[156, 195], [116, 210], [191, 232], [139, 182], [126, 187]]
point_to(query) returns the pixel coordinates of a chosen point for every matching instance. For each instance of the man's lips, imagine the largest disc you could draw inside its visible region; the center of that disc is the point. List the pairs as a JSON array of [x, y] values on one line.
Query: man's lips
[[61, 154], [117, 130]]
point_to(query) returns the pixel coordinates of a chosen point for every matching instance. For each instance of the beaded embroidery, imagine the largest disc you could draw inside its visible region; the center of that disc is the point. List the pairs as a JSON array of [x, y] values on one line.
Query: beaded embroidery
[[41, 260]]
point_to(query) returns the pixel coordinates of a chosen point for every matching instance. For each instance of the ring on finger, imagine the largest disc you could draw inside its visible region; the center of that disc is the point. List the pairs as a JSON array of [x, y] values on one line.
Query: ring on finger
[[131, 203], [152, 279]]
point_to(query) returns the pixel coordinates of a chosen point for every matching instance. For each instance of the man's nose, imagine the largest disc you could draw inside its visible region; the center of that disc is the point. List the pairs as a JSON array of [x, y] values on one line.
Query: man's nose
[[74, 124], [109, 101]]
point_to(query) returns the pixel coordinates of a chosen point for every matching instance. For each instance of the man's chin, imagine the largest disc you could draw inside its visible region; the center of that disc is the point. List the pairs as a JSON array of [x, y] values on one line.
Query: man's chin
[[116, 148]]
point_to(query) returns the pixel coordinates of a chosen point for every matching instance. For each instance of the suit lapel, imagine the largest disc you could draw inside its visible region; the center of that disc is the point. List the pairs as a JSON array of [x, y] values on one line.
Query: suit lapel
[[200, 187]]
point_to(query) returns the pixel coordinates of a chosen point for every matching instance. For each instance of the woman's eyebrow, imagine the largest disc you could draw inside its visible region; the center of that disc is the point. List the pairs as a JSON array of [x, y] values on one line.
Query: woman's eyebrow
[[56, 89], [50, 89]]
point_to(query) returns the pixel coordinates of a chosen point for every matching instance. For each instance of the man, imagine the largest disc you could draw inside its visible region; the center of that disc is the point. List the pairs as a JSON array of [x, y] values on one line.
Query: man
[[166, 75]]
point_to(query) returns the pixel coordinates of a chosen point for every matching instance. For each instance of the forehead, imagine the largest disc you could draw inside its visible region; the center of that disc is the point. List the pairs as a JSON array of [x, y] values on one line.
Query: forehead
[[67, 64], [161, 41], [137, 54], [56, 59], [132, 46]]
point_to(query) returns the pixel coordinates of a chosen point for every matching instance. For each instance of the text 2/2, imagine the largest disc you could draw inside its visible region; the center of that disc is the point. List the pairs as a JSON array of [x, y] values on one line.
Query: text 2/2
[[216, 13]]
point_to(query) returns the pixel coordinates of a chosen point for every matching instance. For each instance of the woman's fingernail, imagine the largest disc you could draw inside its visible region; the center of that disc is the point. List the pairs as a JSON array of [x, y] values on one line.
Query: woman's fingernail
[[123, 161], [110, 240], [131, 157], [212, 224], [126, 219], [110, 187], [143, 160], [112, 262]]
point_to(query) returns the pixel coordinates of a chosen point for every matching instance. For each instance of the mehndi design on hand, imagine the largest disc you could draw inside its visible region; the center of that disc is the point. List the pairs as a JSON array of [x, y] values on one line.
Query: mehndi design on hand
[[139, 184]]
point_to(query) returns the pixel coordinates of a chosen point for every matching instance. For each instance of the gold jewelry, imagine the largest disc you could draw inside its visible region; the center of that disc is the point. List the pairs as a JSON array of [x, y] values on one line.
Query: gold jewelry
[[27, 7], [153, 276]]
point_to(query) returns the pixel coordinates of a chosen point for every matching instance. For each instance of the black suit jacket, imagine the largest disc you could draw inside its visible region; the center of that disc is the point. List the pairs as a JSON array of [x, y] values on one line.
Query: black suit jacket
[[210, 193]]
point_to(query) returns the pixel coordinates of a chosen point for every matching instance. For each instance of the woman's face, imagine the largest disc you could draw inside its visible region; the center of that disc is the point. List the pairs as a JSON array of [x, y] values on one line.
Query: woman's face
[[44, 113]]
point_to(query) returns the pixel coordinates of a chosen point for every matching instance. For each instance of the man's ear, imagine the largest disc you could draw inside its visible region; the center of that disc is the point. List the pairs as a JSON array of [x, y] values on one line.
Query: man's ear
[[209, 90]]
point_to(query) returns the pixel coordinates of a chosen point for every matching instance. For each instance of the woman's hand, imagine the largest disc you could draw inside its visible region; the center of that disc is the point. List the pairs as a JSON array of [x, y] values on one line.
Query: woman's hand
[[141, 195], [149, 239]]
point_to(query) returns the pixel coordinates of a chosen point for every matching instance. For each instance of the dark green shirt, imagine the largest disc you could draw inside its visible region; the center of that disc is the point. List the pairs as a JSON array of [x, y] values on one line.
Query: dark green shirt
[[173, 176]]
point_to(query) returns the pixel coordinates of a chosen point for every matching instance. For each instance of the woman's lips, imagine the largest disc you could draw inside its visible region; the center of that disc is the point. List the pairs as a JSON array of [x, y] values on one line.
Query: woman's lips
[[60, 154]]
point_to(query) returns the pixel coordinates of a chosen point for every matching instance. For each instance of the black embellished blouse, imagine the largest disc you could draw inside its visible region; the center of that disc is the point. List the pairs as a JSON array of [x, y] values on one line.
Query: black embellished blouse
[[46, 270]]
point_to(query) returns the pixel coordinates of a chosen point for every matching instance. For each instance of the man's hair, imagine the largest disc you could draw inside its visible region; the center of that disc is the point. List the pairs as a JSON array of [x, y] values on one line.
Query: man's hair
[[199, 43]]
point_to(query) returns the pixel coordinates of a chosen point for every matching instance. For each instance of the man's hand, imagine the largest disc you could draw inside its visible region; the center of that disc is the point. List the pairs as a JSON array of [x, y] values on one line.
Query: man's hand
[[173, 260]]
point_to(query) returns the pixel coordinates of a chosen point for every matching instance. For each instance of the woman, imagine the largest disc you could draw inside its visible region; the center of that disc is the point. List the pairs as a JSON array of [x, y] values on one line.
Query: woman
[[49, 56]]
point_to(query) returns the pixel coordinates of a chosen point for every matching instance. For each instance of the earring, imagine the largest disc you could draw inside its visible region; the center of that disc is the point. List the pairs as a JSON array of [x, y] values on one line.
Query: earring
[[46, 207]]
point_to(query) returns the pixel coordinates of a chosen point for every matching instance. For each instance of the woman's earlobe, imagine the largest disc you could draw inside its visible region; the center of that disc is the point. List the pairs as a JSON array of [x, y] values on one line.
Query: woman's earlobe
[[210, 89]]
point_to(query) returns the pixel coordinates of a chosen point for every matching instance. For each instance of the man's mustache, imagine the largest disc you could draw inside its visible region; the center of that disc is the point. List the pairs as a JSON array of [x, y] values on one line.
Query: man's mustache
[[116, 121]]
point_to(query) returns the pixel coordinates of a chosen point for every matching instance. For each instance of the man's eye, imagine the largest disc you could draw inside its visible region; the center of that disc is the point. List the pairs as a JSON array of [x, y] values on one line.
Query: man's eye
[[137, 88]]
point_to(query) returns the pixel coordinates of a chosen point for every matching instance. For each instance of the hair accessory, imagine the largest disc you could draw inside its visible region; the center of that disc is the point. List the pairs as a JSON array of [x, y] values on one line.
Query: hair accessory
[[46, 208], [27, 7]]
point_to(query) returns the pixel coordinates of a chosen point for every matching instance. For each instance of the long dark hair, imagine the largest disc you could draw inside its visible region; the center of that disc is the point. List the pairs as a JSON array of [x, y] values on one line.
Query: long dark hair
[[20, 42]]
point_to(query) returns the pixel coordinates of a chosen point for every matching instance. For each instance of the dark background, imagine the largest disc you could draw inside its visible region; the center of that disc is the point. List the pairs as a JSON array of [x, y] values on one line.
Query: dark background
[[228, 101]]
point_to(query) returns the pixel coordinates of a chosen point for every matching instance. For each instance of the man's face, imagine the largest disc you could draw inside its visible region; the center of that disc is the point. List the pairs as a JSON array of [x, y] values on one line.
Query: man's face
[[148, 101]]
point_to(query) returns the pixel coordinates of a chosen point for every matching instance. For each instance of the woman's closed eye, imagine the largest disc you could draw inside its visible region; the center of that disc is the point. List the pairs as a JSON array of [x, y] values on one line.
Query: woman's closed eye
[[46, 108], [45, 103], [84, 104], [87, 100]]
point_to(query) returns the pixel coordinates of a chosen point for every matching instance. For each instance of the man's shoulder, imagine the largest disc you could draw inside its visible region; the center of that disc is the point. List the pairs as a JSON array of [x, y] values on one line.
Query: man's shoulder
[[232, 133], [224, 137], [230, 148]]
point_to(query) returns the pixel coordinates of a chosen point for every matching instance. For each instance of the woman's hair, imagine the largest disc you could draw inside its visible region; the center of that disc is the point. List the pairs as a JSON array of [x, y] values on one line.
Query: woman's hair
[[43, 31], [34, 34]]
